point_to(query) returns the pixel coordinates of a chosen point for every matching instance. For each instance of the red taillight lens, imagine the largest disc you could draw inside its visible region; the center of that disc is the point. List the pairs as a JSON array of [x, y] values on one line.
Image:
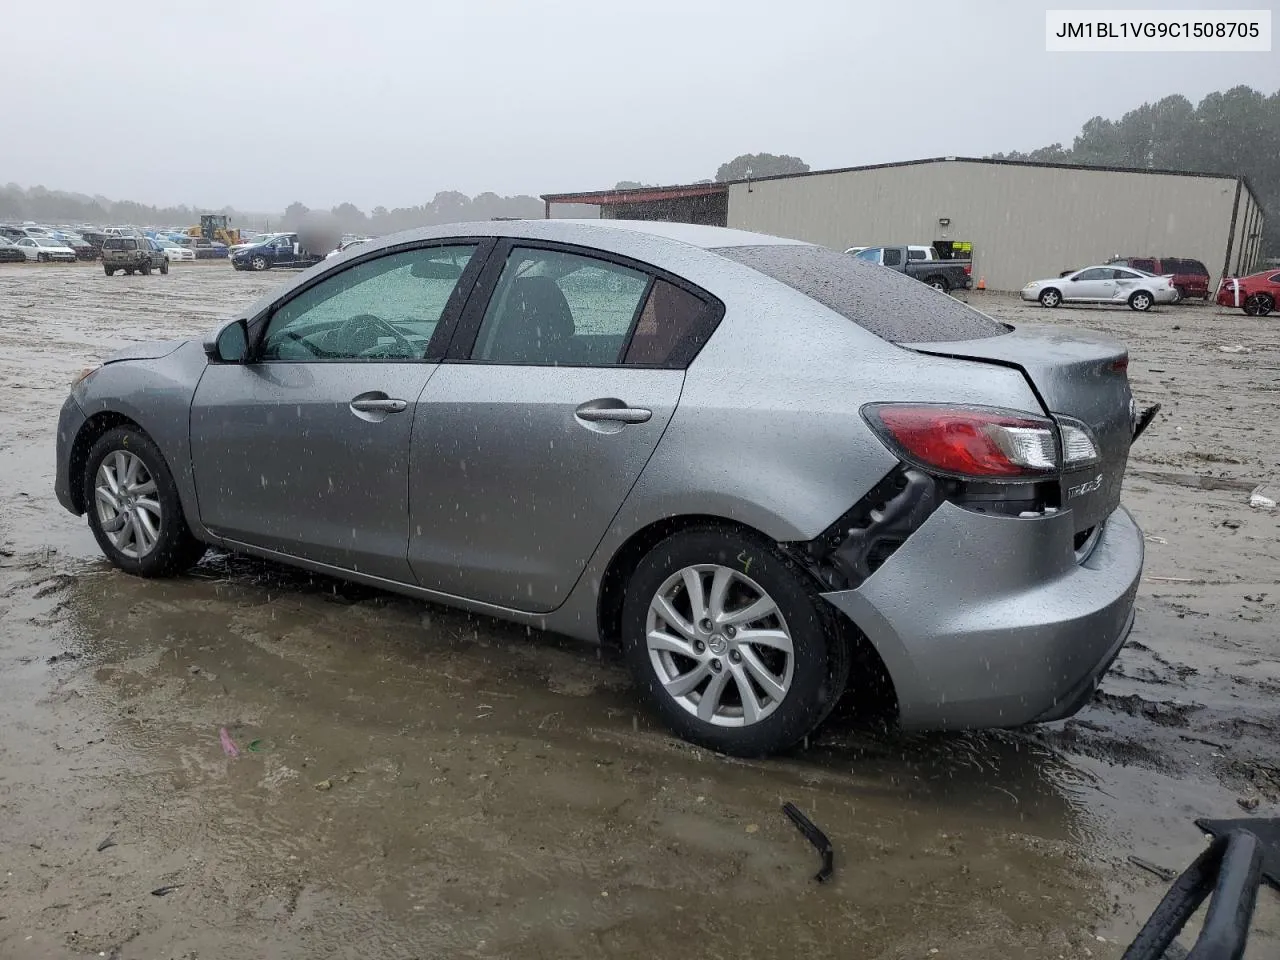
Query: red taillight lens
[[968, 269], [973, 442]]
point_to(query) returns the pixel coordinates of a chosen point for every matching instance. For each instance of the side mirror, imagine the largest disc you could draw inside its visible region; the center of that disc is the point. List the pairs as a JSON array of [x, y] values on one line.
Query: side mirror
[[230, 344]]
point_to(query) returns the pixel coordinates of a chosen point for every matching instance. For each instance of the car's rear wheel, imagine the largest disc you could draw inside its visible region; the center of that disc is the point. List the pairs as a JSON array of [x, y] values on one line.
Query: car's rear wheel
[[259, 263], [145, 269], [133, 506], [1050, 298], [109, 271], [939, 283], [164, 267], [1179, 295], [1258, 305], [1141, 301], [730, 642], [128, 271]]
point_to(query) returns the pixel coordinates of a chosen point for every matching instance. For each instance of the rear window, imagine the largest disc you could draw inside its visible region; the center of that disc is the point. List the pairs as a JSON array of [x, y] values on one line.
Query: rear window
[[1192, 266], [119, 243], [889, 304]]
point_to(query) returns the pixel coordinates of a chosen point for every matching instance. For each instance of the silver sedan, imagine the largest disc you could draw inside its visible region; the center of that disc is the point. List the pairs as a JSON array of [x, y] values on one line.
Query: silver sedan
[[751, 462], [1116, 285]]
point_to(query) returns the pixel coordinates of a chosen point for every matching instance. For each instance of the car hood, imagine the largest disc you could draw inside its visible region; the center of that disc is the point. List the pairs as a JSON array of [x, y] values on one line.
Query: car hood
[[147, 350]]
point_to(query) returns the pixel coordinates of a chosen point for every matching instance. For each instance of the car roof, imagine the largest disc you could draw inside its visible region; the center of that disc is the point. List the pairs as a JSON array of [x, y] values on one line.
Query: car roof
[[593, 232]]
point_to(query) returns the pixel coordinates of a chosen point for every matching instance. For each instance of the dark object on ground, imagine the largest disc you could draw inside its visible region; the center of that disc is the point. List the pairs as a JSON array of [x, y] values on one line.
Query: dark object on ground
[[1266, 829], [165, 890], [816, 837], [1230, 869], [107, 843], [59, 657], [1164, 873]]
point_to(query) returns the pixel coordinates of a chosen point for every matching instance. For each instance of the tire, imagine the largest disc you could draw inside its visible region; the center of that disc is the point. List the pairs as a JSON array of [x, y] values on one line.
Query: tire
[[1179, 294], [128, 271], [1258, 305], [259, 263], [172, 549], [939, 283], [1050, 297], [1141, 301], [145, 269], [812, 676], [109, 271], [42, 258], [164, 267]]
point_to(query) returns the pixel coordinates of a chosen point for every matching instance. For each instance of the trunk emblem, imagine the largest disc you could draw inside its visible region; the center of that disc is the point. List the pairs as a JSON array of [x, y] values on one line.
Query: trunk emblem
[[1081, 489]]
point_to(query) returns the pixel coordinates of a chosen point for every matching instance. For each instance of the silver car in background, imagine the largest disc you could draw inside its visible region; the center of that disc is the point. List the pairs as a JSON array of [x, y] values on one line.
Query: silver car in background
[[1136, 289], [764, 468]]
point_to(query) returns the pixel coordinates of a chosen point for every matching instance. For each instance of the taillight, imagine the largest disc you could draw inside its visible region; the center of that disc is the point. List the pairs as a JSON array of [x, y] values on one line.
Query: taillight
[[972, 442], [968, 269]]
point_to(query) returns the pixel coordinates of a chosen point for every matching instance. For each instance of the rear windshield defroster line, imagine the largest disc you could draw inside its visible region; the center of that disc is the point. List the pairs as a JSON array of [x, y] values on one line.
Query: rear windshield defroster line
[[889, 304]]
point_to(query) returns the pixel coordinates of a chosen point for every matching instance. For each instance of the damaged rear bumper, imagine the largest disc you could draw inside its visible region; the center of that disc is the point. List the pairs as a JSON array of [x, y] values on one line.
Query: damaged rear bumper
[[986, 621]]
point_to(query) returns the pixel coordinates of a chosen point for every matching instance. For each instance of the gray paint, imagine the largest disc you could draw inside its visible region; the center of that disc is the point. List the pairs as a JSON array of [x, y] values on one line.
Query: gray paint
[[1013, 623], [763, 430], [1024, 221]]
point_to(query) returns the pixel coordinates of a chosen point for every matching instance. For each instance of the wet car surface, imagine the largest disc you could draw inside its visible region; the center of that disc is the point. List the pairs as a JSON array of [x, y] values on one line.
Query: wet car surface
[[415, 781]]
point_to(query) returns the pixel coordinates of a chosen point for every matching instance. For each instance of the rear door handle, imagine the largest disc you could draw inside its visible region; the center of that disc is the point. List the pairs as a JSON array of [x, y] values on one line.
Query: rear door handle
[[594, 414], [379, 405]]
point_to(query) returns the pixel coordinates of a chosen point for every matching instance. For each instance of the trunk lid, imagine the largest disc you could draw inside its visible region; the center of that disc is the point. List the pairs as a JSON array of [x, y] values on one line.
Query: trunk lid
[[1076, 376]]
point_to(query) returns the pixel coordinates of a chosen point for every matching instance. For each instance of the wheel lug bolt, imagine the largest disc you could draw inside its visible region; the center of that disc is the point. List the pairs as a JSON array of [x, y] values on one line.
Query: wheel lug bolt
[[716, 665], [730, 631], [735, 656], [705, 625], [699, 646]]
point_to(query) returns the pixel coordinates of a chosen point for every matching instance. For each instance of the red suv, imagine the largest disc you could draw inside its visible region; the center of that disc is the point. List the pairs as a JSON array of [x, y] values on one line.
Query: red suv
[[1256, 294], [1189, 277]]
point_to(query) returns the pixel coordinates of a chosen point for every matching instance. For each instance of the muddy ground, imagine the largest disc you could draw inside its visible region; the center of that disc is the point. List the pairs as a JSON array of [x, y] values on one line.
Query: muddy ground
[[414, 782]]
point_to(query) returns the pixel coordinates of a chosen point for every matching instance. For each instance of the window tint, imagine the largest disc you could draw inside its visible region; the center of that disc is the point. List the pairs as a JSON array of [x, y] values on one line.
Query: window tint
[[871, 255], [1147, 265], [889, 304], [550, 307], [915, 253], [1094, 273], [382, 309], [1125, 275], [892, 257], [1195, 266], [670, 318], [1274, 278]]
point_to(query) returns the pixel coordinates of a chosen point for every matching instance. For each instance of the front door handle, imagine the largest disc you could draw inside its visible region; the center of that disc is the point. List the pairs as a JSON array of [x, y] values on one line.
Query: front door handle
[[594, 414], [379, 405]]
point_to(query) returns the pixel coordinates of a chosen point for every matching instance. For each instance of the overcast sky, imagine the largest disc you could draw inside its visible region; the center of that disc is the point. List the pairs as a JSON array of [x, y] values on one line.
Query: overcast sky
[[256, 103]]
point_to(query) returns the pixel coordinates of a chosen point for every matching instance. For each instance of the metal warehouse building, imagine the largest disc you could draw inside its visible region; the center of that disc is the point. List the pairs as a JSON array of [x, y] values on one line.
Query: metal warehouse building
[[1025, 221]]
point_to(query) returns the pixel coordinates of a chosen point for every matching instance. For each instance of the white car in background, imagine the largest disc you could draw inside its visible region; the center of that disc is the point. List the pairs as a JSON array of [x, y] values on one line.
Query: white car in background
[[1137, 289], [174, 252], [346, 245], [42, 249]]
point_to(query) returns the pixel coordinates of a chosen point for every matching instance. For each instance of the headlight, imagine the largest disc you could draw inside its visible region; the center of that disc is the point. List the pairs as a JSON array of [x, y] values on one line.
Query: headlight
[[84, 374]]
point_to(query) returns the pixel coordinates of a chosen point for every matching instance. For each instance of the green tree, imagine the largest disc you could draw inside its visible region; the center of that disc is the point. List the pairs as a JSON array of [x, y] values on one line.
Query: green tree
[[760, 165]]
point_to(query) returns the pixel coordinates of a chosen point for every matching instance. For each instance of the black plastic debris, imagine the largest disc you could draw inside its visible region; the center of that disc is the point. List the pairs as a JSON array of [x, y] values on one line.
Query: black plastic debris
[[1229, 870], [107, 843], [1266, 829], [165, 890], [814, 836]]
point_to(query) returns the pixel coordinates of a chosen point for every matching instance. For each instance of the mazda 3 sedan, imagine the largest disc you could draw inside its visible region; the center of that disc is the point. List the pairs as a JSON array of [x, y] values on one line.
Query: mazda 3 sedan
[[764, 468]]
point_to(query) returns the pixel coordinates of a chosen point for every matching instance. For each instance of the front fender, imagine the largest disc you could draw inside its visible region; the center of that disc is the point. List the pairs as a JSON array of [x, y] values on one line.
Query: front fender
[[156, 394]]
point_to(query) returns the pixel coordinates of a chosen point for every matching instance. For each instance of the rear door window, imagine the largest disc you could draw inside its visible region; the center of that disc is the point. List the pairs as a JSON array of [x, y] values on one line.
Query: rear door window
[[1195, 266], [889, 304], [1147, 265], [892, 257]]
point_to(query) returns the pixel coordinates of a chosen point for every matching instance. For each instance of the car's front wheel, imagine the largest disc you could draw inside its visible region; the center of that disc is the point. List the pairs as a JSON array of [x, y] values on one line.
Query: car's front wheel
[[259, 263], [730, 642], [133, 506], [164, 267], [1050, 298], [1140, 301]]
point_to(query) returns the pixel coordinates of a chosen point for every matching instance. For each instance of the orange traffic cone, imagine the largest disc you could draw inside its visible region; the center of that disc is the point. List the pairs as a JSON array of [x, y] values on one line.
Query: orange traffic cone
[[982, 283]]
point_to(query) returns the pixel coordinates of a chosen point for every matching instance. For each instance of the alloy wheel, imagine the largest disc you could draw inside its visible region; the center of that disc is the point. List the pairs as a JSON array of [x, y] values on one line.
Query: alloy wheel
[[719, 645], [128, 504]]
